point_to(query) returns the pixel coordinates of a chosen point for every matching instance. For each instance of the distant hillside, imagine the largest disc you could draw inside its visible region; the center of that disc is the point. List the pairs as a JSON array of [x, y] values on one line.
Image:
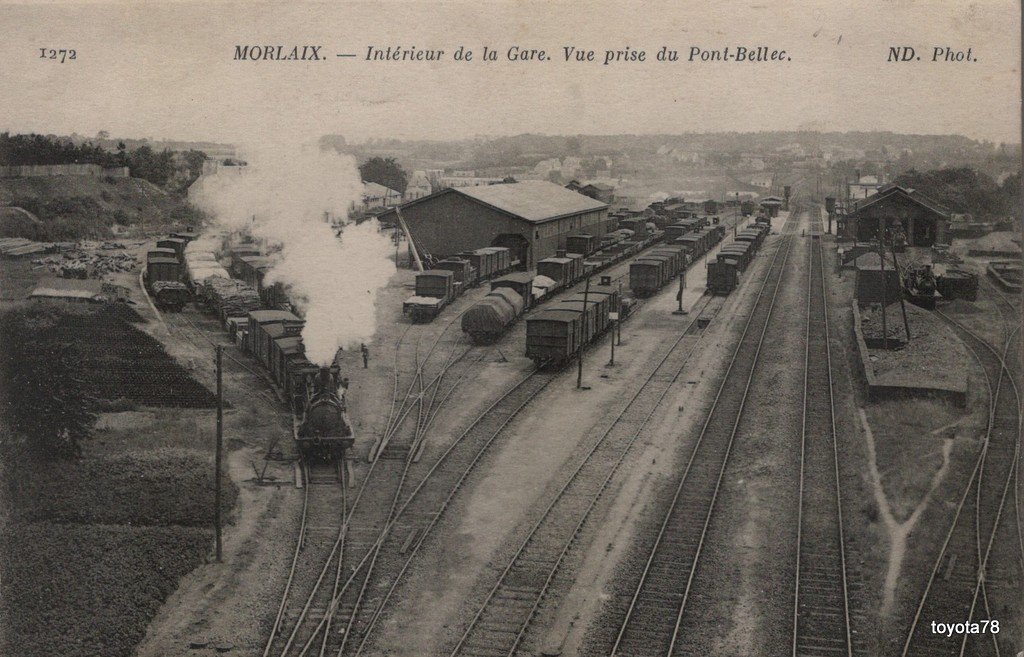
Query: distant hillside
[[86, 207]]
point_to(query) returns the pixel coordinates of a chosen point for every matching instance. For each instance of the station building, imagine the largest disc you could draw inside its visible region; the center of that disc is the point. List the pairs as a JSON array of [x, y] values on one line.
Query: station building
[[924, 221], [532, 218]]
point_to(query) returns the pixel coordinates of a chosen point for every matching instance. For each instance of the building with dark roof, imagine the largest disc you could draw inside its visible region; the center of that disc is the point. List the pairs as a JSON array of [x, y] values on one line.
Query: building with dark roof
[[532, 217], [923, 221], [80, 290]]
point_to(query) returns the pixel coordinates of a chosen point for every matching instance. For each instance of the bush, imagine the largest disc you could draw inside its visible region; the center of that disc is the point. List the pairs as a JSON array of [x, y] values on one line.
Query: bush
[[44, 400], [162, 487], [87, 590]]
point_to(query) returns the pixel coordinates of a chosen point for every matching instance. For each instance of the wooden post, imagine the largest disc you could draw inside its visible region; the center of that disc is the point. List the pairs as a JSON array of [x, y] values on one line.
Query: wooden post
[[618, 324], [899, 275], [881, 264], [583, 330], [616, 320], [217, 458]]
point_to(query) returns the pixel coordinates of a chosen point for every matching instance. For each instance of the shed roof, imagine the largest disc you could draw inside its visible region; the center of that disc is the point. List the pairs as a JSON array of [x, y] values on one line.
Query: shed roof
[[535, 201], [896, 190]]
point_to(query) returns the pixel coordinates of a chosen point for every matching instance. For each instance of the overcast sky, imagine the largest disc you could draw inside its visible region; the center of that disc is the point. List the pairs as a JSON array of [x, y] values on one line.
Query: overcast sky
[[166, 71]]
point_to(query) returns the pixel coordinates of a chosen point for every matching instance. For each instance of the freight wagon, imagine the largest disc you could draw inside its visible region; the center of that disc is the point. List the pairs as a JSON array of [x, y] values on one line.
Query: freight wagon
[[321, 427], [463, 271], [487, 319], [170, 295], [554, 336], [647, 275], [741, 252], [564, 270], [723, 275], [490, 261], [161, 253], [582, 244], [261, 323], [162, 269], [435, 289], [173, 243], [734, 258], [521, 282]]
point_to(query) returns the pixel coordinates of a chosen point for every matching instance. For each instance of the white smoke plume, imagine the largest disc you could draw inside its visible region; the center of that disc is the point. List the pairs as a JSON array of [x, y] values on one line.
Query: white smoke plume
[[281, 196]]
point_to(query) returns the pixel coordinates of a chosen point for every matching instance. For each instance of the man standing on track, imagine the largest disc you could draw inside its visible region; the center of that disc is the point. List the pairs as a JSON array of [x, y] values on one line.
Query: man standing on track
[[366, 354]]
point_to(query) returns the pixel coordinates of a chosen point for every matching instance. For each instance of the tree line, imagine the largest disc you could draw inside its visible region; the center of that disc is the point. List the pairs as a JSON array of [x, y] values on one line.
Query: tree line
[[162, 168], [965, 190]]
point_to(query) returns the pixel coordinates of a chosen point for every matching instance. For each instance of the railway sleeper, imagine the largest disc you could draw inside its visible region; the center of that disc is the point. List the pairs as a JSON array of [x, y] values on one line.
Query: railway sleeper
[[471, 647], [517, 593]]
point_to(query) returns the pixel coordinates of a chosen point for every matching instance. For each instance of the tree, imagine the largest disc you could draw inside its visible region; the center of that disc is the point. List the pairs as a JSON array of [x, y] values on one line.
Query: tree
[[45, 398], [385, 171], [960, 189]]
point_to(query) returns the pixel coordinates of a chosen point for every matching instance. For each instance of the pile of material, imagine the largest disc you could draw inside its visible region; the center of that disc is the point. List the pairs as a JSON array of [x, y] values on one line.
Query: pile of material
[[87, 245], [84, 264], [230, 297], [19, 246], [871, 324]]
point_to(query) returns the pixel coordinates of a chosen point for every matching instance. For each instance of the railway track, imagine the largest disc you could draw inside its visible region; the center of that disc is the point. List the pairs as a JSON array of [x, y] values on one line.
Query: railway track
[[651, 623], [425, 505], [501, 624], [956, 586], [321, 528], [511, 605], [821, 609], [387, 559], [313, 629]]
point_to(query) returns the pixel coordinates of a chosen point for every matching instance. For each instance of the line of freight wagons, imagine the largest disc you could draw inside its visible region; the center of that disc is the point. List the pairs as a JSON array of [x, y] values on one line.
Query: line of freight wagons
[[734, 258], [555, 335], [654, 269], [438, 287], [513, 294]]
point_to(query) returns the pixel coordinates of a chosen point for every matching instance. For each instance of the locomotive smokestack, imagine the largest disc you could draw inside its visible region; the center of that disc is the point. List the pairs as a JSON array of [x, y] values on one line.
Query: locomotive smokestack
[[325, 381]]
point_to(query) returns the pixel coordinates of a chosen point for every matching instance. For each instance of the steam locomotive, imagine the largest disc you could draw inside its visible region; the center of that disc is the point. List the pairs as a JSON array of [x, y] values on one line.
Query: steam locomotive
[[320, 423]]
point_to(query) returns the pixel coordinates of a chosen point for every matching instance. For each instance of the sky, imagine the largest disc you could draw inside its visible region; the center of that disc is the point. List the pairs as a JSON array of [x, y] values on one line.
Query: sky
[[165, 70]]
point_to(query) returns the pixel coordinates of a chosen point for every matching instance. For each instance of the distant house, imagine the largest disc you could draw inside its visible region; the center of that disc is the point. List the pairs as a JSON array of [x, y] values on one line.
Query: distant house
[[376, 195], [596, 190], [923, 221], [215, 174], [764, 181], [771, 205], [418, 187], [545, 167], [864, 187], [752, 162], [599, 192]]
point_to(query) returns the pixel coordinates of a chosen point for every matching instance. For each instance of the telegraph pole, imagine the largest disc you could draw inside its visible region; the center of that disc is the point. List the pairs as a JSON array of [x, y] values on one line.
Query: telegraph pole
[[220, 447], [583, 330]]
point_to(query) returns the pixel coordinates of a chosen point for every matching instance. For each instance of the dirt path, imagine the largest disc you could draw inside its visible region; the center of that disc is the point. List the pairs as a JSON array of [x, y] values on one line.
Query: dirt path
[[897, 531]]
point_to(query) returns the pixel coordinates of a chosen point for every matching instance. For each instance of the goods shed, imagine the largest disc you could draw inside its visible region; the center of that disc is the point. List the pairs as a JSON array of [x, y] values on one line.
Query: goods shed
[[533, 218]]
